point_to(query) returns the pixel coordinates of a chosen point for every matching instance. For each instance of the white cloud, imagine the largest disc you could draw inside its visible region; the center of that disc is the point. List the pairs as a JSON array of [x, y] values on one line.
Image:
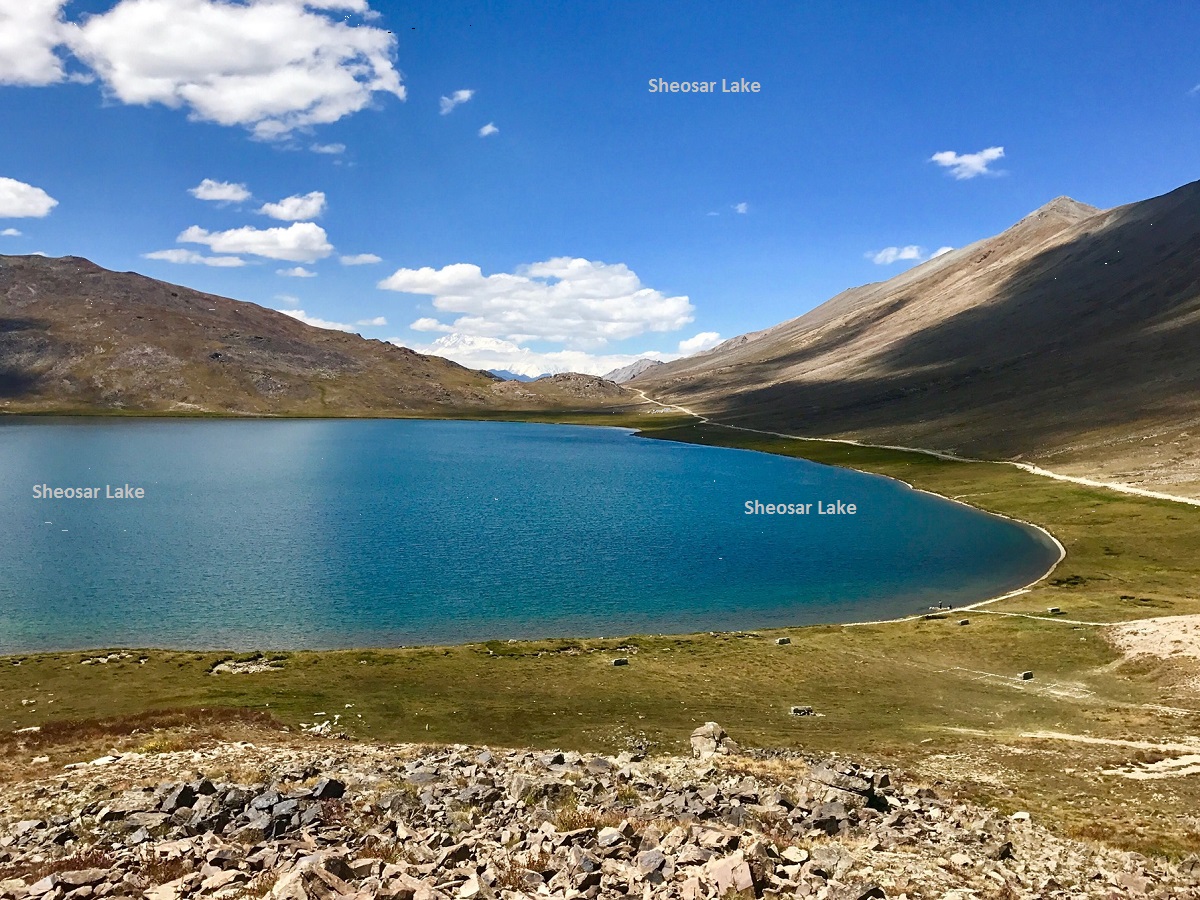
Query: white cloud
[[741, 208], [889, 255], [30, 33], [304, 317], [298, 207], [360, 259], [289, 299], [377, 322], [458, 98], [301, 242], [220, 191], [273, 66], [427, 324], [1194, 91], [190, 257], [968, 165], [910, 253], [10, 232], [705, 340], [574, 301], [328, 149], [19, 200], [488, 130], [493, 353], [296, 272]]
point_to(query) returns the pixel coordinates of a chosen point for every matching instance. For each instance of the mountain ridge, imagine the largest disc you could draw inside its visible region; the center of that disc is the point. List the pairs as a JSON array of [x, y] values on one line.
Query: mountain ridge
[[631, 371], [1064, 341], [75, 337]]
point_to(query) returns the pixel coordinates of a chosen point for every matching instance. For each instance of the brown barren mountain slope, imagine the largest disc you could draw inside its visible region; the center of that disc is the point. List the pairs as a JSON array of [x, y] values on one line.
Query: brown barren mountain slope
[[77, 338], [1069, 341]]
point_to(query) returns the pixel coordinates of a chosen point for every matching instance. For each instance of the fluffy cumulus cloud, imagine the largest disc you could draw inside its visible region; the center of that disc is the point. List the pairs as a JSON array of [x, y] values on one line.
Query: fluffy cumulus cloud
[[741, 208], [360, 259], [296, 272], [304, 317], [297, 208], [494, 353], [705, 340], [889, 255], [301, 315], [968, 165], [909, 253], [19, 200], [458, 98], [577, 302], [488, 130], [302, 242], [328, 149], [272, 66], [425, 323], [10, 232], [191, 257], [220, 191], [30, 33]]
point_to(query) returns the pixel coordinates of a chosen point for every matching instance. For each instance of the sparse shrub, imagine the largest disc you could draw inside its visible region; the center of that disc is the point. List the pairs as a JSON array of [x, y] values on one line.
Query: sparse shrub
[[162, 871], [572, 818], [90, 858]]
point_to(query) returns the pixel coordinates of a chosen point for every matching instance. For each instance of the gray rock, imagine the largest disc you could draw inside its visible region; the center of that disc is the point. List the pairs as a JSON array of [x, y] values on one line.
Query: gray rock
[[710, 740], [328, 789]]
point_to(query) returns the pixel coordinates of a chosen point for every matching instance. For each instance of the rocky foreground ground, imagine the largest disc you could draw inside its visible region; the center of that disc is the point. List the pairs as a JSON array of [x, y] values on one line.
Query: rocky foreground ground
[[320, 819]]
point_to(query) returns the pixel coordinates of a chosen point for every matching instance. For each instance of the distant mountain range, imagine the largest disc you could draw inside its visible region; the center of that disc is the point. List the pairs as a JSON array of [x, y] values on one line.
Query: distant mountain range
[[631, 371], [511, 376], [75, 337], [1069, 340]]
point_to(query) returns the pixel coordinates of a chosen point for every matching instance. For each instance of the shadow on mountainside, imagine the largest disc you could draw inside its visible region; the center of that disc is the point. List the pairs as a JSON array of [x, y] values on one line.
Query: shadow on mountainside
[[23, 341], [1097, 333]]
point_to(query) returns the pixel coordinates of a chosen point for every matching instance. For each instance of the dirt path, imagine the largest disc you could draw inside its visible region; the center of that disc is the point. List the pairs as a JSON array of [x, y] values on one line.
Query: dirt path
[[1026, 467]]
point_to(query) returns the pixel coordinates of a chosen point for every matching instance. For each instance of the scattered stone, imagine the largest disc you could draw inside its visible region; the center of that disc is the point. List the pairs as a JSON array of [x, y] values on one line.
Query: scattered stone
[[328, 789], [783, 641], [1026, 676], [621, 661], [710, 740], [245, 667], [802, 711], [415, 822]]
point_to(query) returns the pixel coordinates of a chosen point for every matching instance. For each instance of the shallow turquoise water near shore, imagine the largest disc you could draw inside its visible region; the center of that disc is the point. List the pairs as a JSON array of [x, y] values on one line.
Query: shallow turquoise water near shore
[[340, 533]]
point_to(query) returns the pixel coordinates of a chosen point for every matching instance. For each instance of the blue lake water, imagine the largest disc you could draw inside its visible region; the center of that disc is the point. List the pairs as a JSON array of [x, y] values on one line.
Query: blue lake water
[[321, 534]]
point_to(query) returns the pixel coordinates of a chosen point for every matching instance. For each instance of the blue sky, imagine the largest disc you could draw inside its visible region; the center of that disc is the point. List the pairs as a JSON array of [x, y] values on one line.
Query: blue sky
[[605, 221]]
